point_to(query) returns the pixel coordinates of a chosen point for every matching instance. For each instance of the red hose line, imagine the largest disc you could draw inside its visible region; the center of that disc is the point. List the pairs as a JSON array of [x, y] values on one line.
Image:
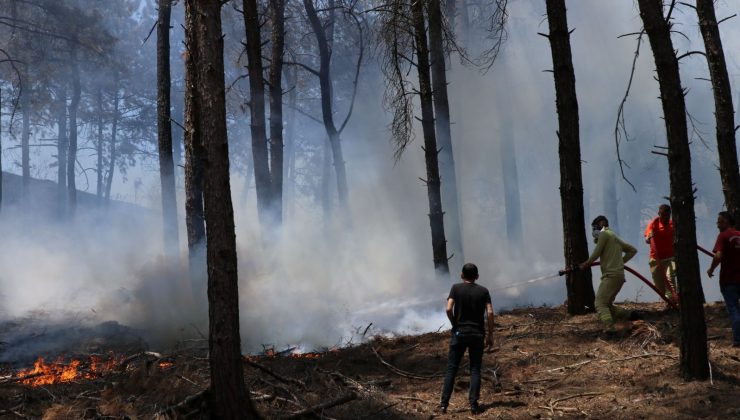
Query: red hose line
[[649, 283], [700, 248]]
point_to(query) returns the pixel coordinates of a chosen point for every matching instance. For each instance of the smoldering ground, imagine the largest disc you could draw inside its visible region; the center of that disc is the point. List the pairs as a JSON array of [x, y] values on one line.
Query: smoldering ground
[[326, 282]]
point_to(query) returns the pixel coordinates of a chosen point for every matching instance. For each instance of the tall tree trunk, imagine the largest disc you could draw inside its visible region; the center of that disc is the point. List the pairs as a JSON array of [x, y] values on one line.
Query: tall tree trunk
[[289, 158], [25, 137], [164, 131], [450, 197], [578, 283], [72, 155], [724, 111], [1, 149], [512, 202], [99, 149], [194, 218], [112, 149], [229, 393], [610, 198], [434, 193], [277, 9], [177, 138], [694, 358], [326, 102], [326, 195], [62, 149], [260, 155]]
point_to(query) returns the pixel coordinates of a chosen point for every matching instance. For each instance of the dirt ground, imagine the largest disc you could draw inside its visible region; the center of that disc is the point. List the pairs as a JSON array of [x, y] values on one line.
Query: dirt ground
[[545, 365]]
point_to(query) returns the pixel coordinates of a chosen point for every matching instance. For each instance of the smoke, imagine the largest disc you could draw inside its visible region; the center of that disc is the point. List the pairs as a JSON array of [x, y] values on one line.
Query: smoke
[[327, 283]]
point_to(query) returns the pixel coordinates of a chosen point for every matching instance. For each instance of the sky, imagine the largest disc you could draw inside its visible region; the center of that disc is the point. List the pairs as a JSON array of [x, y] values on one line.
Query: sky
[[325, 283]]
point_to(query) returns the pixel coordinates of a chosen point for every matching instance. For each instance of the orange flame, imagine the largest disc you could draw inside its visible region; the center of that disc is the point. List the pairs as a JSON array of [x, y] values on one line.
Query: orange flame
[[306, 355], [165, 365], [57, 372]]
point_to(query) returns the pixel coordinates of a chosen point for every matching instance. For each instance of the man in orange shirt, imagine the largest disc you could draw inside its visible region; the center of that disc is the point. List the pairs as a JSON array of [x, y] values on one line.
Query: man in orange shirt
[[659, 234]]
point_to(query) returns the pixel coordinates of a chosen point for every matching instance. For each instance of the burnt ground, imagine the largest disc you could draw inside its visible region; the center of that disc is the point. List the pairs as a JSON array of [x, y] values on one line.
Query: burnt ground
[[545, 365]]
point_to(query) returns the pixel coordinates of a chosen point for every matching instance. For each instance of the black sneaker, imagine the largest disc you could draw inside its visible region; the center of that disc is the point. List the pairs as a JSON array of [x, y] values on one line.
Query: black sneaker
[[475, 408], [441, 409]]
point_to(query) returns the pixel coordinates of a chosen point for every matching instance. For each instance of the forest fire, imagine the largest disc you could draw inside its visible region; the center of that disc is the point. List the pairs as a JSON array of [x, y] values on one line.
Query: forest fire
[[291, 353], [310, 355], [57, 372]]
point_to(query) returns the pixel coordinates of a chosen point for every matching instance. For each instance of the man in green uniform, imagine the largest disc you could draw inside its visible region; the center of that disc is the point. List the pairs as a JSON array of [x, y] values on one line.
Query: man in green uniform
[[612, 252]]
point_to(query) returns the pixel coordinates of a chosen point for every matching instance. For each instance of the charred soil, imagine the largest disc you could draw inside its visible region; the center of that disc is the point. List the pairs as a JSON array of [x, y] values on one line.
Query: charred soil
[[546, 364]]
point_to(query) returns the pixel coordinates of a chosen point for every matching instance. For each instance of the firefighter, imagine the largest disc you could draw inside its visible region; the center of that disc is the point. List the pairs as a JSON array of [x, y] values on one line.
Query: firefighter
[[659, 235], [612, 252]]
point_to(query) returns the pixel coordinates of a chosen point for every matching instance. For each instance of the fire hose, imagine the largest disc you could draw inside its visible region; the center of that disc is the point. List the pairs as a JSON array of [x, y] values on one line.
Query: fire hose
[[674, 305], [671, 302]]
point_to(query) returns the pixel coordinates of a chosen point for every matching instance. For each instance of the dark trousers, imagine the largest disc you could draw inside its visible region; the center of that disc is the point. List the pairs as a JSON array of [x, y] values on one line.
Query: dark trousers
[[458, 345], [731, 293]]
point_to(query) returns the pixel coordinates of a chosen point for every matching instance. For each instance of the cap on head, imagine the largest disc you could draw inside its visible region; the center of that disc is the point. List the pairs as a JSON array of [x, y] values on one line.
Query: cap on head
[[469, 271]]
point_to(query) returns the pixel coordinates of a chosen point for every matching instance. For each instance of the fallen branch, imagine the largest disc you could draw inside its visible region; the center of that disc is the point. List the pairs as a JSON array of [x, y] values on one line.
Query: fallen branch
[[404, 373], [125, 362], [366, 389], [563, 368], [273, 374], [640, 356], [15, 413], [323, 406], [570, 397], [414, 399], [187, 380], [13, 379], [184, 403], [368, 327], [296, 401]]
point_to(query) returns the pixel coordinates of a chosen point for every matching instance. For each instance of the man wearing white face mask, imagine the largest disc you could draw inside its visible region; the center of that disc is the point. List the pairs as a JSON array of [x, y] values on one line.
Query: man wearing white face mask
[[612, 252]]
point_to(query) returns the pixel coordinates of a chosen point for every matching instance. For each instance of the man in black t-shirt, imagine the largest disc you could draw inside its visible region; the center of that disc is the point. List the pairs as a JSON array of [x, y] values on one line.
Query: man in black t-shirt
[[466, 306]]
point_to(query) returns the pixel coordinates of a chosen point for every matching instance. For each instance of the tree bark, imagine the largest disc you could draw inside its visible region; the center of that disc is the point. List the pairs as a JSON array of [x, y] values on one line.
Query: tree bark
[[164, 131], [611, 203], [512, 201], [434, 193], [578, 283], [289, 157], [99, 149], [112, 151], [194, 218], [1, 150], [25, 137], [326, 102], [72, 155], [724, 110], [260, 154], [277, 9], [229, 393], [450, 197], [694, 358], [62, 149], [326, 194]]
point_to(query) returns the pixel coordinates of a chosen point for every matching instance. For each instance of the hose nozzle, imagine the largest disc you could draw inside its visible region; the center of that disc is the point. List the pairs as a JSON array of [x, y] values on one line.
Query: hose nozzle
[[568, 270]]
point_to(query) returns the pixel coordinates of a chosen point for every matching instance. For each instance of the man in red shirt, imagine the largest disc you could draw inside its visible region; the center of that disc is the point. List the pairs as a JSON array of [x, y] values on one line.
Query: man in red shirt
[[727, 252], [659, 234]]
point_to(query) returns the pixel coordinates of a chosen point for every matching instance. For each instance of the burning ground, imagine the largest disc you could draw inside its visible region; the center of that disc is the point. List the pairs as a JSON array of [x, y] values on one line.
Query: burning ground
[[545, 365]]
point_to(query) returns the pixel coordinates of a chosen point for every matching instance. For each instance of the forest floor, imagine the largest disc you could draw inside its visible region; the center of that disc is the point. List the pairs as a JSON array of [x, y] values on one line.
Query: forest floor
[[546, 364]]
